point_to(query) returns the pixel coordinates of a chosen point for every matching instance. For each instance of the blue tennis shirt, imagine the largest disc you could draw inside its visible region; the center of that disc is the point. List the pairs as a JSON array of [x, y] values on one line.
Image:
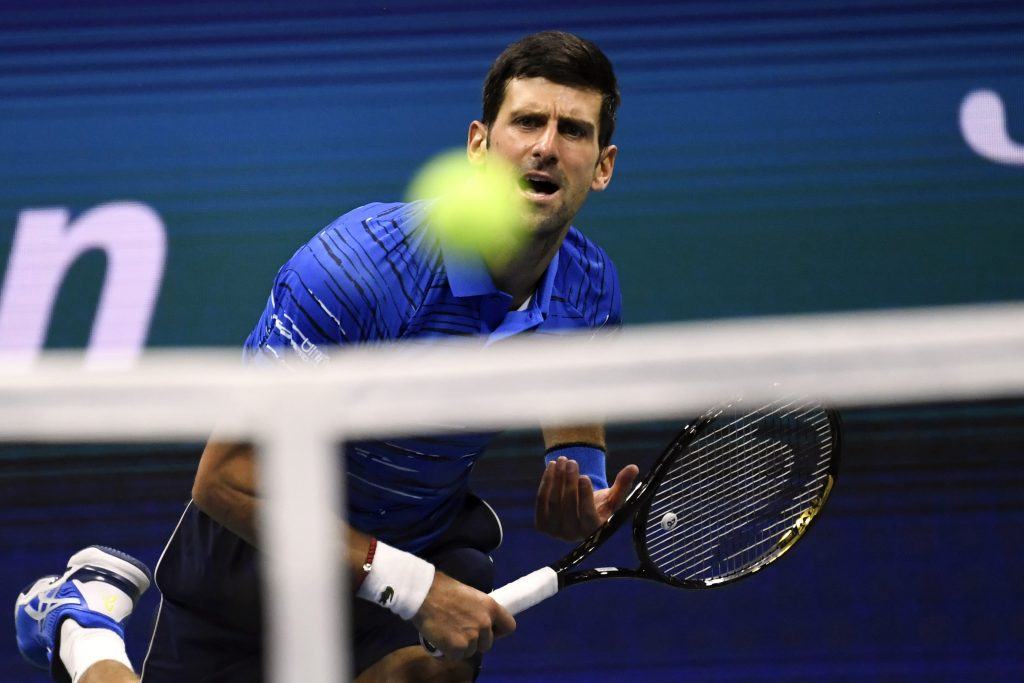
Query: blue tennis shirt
[[375, 275], [379, 274]]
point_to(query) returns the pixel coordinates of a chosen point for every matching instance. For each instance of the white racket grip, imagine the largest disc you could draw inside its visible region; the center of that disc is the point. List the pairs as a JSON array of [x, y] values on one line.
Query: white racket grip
[[527, 591]]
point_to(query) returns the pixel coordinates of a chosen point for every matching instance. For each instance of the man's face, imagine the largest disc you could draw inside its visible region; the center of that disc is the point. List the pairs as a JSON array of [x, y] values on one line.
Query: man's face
[[549, 133]]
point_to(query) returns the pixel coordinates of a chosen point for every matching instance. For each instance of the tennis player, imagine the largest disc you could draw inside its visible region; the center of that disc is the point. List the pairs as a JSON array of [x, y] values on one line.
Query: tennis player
[[418, 540]]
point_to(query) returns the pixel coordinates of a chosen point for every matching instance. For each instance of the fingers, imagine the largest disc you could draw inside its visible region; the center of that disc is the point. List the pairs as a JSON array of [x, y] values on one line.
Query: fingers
[[485, 642], [544, 512], [463, 652], [622, 486], [570, 502], [504, 622], [610, 499], [460, 620], [558, 500], [501, 623], [589, 517], [567, 505], [548, 517], [627, 475]]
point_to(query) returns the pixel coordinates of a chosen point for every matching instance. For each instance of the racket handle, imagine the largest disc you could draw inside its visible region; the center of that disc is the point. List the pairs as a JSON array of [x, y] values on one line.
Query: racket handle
[[525, 592], [520, 595]]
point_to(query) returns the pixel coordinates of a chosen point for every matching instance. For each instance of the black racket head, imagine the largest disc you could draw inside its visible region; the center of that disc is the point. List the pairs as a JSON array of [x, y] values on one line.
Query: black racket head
[[735, 490]]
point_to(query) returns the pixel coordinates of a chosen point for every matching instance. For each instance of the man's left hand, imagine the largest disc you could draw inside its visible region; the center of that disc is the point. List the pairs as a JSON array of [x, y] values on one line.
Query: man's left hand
[[568, 508]]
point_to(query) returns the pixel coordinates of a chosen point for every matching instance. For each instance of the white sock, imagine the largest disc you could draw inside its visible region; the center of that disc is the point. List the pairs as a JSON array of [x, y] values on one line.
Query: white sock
[[82, 647]]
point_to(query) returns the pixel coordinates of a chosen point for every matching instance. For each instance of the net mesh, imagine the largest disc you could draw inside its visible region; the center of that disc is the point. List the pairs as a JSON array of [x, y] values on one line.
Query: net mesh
[[735, 495]]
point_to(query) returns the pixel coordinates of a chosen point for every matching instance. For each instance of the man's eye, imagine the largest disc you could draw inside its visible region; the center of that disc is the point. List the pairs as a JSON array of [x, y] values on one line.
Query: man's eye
[[573, 131], [526, 122]]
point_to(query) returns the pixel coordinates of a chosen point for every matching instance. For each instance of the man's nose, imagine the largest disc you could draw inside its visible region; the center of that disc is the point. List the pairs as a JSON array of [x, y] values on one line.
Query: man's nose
[[545, 146]]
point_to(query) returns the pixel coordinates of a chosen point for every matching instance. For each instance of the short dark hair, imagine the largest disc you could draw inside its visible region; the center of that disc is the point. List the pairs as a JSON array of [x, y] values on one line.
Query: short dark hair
[[561, 58]]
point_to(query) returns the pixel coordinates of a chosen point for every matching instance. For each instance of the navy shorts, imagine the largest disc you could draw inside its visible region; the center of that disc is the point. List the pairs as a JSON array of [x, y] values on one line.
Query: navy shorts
[[195, 647]]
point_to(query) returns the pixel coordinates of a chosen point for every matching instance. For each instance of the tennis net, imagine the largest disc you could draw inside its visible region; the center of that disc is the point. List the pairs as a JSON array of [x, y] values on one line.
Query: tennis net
[[949, 356]]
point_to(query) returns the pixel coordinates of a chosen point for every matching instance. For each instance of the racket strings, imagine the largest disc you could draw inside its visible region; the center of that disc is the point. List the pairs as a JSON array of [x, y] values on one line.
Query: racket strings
[[737, 489], [728, 493], [716, 543], [735, 545], [708, 453], [751, 544], [716, 486], [711, 448], [733, 508]]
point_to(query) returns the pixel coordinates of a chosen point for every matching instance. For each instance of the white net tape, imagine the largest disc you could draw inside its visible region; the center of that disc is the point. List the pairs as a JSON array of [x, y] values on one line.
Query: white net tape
[[639, 374]]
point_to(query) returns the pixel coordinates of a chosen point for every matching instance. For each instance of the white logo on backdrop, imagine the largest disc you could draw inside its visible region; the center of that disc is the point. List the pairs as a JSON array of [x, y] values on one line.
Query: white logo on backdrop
[[45, 246], [983, 124]]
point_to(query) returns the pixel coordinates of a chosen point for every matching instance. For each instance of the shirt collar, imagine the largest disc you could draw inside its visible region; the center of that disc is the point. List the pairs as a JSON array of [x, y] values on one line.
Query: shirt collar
[[467, 273], [468, 276], [542, 300]]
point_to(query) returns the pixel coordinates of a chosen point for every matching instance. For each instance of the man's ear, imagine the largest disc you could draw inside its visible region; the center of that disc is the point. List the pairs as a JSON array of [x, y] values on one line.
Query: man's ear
[[604, 169], [476, 143]]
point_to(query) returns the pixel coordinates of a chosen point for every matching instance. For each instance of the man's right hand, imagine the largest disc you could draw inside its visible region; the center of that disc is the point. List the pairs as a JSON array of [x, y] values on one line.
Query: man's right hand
[[460, 620]]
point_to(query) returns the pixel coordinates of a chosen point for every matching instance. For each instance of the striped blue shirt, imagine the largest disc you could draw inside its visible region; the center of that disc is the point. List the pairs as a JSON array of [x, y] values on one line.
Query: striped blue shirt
[[378, 274]]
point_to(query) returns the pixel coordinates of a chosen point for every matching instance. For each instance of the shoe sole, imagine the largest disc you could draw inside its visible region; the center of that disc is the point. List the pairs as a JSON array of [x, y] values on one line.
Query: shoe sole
[[113, 560]]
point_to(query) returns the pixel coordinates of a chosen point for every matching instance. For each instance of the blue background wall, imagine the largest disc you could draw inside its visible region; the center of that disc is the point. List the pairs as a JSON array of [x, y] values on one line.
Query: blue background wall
[[775, 157]]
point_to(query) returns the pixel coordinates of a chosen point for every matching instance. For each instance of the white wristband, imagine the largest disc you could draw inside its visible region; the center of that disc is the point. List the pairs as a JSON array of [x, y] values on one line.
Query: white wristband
[[397, 580]]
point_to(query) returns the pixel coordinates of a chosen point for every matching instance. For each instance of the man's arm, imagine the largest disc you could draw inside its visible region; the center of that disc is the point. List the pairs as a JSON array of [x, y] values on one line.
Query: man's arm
[[567, 506], [457, 618], [225, 489], [561, 434]]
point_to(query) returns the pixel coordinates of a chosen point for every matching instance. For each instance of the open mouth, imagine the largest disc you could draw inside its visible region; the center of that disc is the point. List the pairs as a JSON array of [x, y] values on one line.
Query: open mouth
[[539, 185]]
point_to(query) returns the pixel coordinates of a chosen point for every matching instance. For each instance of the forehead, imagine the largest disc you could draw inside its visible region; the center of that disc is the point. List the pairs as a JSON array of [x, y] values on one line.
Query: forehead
[[542, 95]]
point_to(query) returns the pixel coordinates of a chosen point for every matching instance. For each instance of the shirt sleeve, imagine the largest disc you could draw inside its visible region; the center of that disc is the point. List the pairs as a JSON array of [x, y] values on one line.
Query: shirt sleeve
[[322, 298], [610, 303]]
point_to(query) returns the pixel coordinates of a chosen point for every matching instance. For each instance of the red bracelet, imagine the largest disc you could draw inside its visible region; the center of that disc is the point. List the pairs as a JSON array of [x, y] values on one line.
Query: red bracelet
[[368, 564]]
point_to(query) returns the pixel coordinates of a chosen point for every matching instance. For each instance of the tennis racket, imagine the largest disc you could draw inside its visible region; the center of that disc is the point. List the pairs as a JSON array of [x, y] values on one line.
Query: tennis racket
[[732, 493]]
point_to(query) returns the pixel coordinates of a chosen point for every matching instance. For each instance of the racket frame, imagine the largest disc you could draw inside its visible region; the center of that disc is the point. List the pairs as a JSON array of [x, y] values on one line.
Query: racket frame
[[633, 506]]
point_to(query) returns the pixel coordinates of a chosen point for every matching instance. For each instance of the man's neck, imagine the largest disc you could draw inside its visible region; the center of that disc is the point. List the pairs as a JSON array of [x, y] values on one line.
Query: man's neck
[[518, 273]]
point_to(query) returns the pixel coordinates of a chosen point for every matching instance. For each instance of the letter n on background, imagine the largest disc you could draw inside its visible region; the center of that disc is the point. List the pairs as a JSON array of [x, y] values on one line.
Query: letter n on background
[[46, 245]]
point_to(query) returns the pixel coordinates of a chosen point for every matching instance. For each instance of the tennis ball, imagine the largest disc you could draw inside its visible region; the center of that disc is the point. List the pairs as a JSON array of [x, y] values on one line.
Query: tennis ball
[[473, 207]]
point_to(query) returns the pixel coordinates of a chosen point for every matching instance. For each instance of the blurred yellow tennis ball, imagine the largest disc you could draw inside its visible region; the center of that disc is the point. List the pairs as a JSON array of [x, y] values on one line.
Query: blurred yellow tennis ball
[[473, 208]]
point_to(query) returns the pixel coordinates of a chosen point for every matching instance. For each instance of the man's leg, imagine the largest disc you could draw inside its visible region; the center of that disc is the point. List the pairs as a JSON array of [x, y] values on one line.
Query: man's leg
[[413, 664], [74, 624], [188, 646], [108, 672]]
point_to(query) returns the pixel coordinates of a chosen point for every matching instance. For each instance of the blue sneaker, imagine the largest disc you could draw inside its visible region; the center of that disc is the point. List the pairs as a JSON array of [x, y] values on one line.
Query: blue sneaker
[[99, 590]]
